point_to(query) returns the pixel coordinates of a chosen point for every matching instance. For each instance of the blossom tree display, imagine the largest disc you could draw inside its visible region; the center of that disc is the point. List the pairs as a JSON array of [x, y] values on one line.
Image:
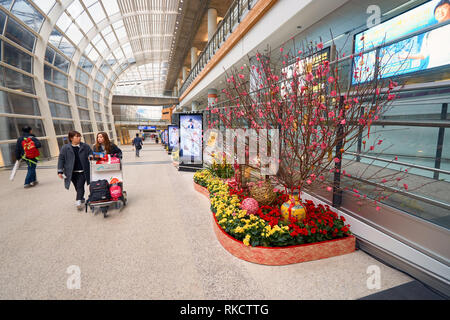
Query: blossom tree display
[[319, 113]]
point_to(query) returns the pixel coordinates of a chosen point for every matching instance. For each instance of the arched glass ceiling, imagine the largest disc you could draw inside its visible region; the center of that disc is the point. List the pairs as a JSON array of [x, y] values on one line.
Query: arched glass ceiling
[[140, 31], [144, 79]]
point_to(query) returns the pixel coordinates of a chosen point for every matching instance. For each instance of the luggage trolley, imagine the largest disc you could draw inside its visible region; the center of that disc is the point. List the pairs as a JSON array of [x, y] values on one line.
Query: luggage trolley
[[107, 171]]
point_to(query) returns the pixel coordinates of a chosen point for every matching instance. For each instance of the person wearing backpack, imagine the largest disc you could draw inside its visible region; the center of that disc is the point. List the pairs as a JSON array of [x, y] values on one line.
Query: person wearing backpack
[[73, 165], [27, 149], [137, 143]]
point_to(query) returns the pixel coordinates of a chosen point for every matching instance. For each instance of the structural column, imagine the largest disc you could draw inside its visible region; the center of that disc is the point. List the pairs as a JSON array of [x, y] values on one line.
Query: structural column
[[212, 22], [195, 106], [185, 74], [212, 96], [194, 55]]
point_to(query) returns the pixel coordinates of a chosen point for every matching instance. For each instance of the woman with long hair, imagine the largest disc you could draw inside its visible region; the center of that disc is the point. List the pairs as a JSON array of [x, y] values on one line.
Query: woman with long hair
[[104, 145]]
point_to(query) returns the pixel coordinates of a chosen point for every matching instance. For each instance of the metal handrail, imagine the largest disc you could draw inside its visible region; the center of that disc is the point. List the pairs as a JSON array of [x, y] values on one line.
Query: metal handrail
[[215, 38], [398, 162], [404, 193]]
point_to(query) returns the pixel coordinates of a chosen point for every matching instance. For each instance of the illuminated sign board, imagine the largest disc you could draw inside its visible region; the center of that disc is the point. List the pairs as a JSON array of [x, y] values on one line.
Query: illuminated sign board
[[191, 140], [417, 53]]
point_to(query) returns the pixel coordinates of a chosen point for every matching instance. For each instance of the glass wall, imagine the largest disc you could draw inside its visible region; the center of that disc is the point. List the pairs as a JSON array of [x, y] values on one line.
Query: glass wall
[[21, 22], [19, 26]]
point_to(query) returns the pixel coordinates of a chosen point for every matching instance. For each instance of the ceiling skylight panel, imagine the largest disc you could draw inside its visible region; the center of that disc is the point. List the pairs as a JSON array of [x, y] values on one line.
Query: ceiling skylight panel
[[97, 12], [111, 7], [96, 39], [74, 34], [93, 55], [110, 38], [110, 59], [75, 9], [64, 22], [118, 53], [101, 46], [107, 30], [128, 51], [121, 33], [118, 24], [55, 38], [88, 48], [44, 5], [85, 22], [88, 3]]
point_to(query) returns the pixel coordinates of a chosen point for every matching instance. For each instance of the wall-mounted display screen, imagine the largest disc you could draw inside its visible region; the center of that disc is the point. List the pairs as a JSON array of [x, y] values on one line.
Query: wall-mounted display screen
[[173, 137], [191, 142], [420, 52], [166, 136], [311, 62]]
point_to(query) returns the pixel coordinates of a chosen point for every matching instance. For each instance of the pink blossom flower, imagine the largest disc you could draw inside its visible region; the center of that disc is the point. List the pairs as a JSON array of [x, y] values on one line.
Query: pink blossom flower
[[333, 93], [329, 189], [405, 186], [309, 77], [320, 45], [330, 79]]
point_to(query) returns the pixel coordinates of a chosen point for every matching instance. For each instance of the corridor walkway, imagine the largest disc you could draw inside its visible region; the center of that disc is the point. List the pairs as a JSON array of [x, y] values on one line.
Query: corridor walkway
[[161, 246]]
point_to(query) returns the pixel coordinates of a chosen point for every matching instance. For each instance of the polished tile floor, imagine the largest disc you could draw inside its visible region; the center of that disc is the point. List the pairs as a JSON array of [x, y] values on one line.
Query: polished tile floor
[[161, 246]]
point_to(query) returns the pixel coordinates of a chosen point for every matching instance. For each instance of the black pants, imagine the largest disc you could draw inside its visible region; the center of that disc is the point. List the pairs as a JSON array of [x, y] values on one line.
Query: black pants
[[78, 180]]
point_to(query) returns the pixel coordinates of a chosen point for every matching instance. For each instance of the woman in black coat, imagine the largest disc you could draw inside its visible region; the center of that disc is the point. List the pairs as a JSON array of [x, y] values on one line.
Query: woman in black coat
[[104, 145], [73, 165]]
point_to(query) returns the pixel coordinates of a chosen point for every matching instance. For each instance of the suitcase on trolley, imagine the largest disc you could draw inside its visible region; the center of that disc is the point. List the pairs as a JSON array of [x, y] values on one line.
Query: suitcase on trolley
[[104, 194]]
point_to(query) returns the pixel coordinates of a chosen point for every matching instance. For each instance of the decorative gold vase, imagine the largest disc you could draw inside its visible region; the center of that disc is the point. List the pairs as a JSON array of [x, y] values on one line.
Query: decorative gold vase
[[297, 209]]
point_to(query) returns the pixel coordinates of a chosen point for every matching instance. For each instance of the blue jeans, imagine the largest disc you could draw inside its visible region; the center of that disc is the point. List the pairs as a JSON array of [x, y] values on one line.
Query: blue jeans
[[31, 174]]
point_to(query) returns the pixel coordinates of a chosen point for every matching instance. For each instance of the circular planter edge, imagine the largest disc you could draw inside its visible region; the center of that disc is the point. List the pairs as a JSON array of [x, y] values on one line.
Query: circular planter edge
[[278, 256]]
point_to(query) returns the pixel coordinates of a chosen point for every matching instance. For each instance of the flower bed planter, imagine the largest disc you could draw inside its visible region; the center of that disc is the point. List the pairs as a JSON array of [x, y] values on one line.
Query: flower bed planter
[[278, 256], [201, 190]]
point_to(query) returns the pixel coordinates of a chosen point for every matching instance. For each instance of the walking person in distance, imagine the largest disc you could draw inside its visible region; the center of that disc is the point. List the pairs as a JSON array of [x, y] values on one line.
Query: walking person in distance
[[137, 143]]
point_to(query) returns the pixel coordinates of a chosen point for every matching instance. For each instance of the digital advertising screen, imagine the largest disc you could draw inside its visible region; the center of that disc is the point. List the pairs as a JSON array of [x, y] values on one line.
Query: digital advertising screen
[[166, 135], [173, 137], [310, 63], [418, 53], [191, 142]]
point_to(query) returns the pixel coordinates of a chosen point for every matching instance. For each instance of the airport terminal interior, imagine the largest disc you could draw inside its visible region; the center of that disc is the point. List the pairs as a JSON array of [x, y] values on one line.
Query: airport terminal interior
[[235, 149]]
